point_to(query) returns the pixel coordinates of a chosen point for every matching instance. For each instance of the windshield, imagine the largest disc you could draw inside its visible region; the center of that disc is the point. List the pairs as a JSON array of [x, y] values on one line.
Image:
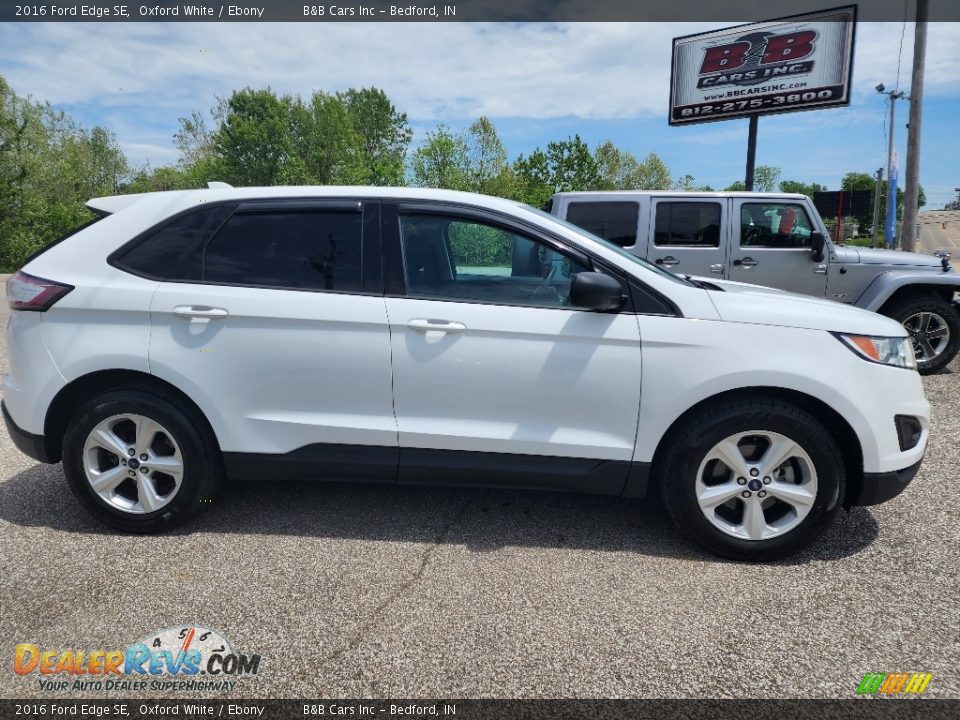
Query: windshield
[[616, 248]]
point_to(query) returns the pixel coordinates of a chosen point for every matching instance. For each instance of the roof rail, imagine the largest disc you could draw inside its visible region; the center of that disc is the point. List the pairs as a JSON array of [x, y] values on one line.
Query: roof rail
[[215, 185]]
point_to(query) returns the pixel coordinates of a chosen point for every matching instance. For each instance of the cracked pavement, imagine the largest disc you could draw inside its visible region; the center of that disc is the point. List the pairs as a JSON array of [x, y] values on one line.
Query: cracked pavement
[[390, 591]]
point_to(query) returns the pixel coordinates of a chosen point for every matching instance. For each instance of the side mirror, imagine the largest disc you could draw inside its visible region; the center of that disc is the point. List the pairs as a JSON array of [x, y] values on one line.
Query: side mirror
[[818, 242], [596, 291]]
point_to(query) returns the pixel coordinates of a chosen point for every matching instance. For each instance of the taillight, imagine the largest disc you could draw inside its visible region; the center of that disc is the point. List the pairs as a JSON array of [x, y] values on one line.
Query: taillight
[[26, 292]]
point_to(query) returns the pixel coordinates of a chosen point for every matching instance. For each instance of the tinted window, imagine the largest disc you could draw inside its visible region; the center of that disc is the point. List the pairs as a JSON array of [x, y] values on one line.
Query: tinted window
[[160, 254], [316, 250], [615, 222], [459, 259], [691, 224], [774, 225]]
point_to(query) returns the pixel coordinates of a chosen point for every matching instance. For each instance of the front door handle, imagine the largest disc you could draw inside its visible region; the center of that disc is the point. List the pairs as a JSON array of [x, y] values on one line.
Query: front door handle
[[444, 326], [745, 262], [668, 260], [200, 311]]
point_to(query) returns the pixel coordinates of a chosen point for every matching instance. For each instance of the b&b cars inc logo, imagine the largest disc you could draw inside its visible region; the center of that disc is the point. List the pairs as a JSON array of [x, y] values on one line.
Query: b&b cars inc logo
[[757, 57], [191, 658]]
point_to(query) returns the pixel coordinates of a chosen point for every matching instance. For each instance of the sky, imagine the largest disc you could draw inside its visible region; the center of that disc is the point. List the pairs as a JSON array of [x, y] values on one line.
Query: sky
[[536, 81]]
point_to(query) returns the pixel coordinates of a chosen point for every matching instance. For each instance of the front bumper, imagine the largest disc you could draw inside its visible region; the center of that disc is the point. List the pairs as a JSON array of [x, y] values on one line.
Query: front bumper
[[877, 488], [33, 445]]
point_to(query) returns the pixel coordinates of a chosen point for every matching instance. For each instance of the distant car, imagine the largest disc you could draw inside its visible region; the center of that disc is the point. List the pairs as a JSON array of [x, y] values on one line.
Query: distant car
[[777, 240], [422, 336]]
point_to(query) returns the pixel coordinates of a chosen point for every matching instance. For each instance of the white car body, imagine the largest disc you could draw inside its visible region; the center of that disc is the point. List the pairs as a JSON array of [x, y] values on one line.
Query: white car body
[[288, 369]]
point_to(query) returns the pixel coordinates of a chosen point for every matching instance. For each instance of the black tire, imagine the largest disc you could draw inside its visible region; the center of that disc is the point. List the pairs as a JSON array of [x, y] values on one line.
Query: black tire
[[202, 462], [904, 309], [688, 447]]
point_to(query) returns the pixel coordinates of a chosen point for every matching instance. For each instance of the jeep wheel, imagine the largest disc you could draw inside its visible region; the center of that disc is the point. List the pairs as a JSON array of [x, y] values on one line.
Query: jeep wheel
[[934, 327]]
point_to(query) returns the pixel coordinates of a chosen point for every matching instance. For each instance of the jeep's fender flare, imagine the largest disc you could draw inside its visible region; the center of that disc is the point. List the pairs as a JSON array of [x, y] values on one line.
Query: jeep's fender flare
[[886, 284]]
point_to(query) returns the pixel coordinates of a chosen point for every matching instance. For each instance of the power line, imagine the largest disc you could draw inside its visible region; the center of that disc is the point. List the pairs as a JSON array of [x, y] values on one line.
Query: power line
[[903, 31]]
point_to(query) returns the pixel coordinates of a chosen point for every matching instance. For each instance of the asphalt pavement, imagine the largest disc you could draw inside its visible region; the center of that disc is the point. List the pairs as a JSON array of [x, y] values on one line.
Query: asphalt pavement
[[939, 230], [379, 591]]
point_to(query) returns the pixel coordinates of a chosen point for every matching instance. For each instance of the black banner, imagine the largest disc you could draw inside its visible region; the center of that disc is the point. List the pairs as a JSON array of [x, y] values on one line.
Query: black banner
[[449, 11], [844, 203], [854, 709]]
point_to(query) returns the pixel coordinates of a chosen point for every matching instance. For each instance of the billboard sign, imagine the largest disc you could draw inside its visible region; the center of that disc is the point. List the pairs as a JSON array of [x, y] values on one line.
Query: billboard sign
[[803, 62]]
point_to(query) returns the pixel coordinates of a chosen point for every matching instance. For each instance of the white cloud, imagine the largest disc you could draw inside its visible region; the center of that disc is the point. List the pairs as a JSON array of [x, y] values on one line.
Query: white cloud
[[433, 71]]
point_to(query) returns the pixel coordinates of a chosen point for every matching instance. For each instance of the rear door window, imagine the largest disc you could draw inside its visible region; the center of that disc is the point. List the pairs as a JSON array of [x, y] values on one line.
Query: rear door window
[[615, 222], [687, 224], [302, 249]]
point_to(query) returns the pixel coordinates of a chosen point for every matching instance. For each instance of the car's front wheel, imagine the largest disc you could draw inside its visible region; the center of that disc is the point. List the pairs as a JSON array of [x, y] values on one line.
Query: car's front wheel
[[753, 479], [934, 328], [139, 463]]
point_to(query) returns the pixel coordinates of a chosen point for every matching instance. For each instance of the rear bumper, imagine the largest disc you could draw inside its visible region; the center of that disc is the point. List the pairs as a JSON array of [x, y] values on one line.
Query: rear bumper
[[877, 488], [29, 444]]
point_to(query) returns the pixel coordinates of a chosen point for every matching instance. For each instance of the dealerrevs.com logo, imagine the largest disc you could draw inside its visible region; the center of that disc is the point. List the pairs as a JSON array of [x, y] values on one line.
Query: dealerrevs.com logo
[[191, 658], [757, 57]]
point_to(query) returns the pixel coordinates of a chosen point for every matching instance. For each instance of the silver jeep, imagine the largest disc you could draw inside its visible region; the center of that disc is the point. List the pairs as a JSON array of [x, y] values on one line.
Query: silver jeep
[[780, 241]]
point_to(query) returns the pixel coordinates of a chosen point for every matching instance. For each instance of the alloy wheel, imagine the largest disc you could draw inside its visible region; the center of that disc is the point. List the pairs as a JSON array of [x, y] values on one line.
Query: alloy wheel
[[756, 485], [930, 334], [133, 463]]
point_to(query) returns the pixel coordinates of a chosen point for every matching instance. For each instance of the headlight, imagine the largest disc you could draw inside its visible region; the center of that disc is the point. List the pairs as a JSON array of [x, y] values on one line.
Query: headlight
[[896, 351]]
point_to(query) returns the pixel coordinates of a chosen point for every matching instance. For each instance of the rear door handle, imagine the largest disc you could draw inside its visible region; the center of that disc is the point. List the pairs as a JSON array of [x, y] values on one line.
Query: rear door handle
[[200, 311], [716, 268], [668, 260], [444, 326], [745, 262], [820, 269]]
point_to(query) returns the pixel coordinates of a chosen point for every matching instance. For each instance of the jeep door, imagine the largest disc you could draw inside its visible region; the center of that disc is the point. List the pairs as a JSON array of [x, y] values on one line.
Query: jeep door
[[772, 246], [687, 235]]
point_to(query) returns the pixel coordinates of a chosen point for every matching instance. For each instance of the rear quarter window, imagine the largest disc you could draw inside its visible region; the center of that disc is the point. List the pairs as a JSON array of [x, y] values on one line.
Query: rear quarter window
[[162, 254]]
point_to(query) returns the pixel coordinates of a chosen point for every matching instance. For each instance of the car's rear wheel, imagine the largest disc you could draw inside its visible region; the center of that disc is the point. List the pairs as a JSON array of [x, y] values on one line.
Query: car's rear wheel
[[753, 479], [934, 328], [139, 463]]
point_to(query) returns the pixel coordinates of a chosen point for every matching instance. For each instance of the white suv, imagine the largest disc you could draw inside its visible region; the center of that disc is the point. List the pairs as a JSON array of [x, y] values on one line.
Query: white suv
[[422, 336]]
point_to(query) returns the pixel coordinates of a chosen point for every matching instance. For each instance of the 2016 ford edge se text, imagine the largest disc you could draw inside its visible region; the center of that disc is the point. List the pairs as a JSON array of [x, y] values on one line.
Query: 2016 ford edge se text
[[426, 336]]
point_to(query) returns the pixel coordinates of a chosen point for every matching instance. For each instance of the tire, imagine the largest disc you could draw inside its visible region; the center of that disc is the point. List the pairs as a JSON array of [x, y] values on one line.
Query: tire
[[934, 354], [813, 480], [132, 500]]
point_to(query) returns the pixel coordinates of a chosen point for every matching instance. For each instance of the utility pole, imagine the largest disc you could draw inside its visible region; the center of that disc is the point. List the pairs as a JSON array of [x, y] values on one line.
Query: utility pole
[[876, 208], [911, 200], [890, 222]]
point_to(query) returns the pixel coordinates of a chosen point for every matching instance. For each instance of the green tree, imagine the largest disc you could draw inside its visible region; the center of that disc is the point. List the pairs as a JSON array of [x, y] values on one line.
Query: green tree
[[620, 170], [254, 141], [572, 165], [534, 183], [383, 133], [486, 157], [688, 183], [795, 186], [327, 142], [765, 178], [49, 167], [866, 181], [442, 161], [736, 186]]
